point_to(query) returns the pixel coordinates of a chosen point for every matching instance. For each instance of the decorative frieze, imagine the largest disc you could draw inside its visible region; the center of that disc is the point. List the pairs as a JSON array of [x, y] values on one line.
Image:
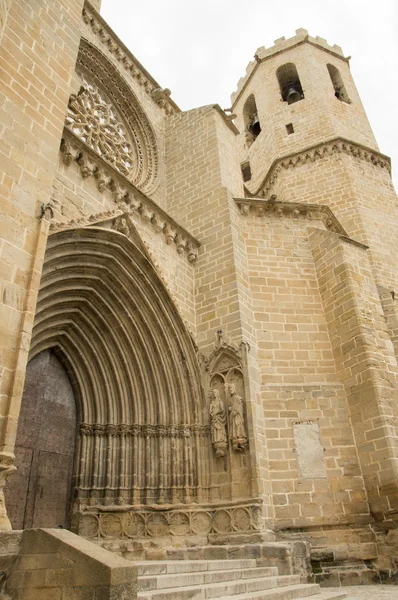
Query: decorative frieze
[[144, 431], [126, 60], [125, 194], [136, 523], [330, 148], [293, 210]]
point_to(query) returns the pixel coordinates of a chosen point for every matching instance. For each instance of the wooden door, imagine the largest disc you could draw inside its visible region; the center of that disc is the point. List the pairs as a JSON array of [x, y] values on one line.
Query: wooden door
[[38, 494]]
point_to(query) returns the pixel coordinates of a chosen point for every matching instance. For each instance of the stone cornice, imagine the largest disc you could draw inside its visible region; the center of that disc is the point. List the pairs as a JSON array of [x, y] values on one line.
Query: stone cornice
[[295, 210], [228, 119], [127, 197], [127, 60], [311, 154]]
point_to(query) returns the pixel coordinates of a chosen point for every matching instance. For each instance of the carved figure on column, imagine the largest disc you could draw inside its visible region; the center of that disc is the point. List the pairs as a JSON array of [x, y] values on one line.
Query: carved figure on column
[[237, 429], [218, 423]]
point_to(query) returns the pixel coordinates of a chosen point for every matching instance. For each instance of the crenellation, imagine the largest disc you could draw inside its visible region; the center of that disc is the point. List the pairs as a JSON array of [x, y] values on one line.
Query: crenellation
[[280, 45]]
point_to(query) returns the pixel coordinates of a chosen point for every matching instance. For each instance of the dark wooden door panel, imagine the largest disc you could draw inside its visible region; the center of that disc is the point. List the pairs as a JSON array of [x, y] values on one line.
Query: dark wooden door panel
[[38, 495], [52, 490]]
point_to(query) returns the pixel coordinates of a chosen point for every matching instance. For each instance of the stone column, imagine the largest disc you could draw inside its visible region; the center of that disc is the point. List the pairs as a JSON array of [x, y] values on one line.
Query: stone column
[[38, 51]]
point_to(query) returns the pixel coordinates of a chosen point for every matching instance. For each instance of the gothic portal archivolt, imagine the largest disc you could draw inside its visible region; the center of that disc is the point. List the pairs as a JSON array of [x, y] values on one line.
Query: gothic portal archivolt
[[142, 436]]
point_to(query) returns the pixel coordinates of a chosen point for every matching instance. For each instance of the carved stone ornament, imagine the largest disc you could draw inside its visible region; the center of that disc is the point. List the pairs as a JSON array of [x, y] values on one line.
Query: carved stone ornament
[[94, 120], [125, 194], [294, 210], [226, 389], [143, 431], [218, 423], [237, 428], [108, 118], [111, 522]]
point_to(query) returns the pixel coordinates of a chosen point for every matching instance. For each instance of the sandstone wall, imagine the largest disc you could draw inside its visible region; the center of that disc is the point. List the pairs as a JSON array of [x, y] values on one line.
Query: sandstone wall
[[38, 53]]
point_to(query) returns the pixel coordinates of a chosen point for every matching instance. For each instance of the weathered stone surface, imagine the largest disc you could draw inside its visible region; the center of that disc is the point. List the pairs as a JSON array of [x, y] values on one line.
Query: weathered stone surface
[[310, 453], [160, 254]]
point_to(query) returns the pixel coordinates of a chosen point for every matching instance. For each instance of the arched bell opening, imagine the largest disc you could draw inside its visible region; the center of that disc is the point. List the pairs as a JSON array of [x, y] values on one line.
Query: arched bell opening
[[289, 83], [251, 120], [142, 434], [340, 91]]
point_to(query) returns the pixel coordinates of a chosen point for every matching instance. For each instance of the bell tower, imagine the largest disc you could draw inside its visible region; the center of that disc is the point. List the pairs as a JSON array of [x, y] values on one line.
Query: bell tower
[[305, 137], [296, 95]]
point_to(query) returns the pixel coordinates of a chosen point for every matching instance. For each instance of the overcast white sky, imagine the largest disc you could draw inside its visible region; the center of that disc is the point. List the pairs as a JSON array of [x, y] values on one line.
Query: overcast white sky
[[200, 49]]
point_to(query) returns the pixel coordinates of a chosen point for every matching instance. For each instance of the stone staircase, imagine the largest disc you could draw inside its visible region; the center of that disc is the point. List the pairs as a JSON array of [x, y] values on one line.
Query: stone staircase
[[233, 579]]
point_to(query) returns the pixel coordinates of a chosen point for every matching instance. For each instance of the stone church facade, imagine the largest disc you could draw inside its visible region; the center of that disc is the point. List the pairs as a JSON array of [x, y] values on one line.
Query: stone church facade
[[199, 330]]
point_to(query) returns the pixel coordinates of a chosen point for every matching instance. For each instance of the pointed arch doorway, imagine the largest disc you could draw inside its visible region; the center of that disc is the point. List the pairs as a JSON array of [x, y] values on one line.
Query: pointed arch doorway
[[38, 495], [142, 434]]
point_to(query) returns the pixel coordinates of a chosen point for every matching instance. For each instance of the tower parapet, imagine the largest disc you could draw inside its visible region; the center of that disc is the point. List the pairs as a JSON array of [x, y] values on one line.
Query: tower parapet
[[281, 44]]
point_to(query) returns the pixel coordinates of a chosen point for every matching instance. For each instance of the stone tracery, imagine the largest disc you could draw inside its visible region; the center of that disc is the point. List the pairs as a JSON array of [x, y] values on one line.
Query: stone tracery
[[92, 118], [106, 115]]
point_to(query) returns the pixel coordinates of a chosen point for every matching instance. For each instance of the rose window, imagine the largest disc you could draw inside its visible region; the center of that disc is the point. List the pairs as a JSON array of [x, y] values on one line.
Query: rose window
[[95, 121]]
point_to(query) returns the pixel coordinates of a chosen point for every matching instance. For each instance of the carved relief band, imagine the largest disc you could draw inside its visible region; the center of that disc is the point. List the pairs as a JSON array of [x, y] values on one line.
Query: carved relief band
[[135, 523], [174, 431]]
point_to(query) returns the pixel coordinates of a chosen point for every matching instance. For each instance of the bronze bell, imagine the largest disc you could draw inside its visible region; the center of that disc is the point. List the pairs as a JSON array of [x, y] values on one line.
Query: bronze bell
[[293, 95], [254, 126]]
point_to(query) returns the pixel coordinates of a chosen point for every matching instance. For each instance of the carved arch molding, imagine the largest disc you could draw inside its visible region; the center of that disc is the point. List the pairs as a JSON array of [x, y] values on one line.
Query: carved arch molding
[[142, 435], [107, 116]]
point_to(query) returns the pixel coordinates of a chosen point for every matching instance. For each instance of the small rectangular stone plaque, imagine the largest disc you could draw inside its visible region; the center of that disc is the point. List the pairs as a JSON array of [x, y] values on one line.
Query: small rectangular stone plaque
[[309, 450]]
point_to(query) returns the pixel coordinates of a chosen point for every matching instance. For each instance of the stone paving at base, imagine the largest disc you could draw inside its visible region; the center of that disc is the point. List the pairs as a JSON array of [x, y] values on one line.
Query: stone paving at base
[[369, 592]]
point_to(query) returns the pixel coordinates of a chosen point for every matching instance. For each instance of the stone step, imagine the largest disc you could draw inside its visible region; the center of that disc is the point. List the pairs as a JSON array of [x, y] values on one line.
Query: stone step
[[331, 596], [225, 589], [163, 567], [157, 582], [299, 592], [290, 592]]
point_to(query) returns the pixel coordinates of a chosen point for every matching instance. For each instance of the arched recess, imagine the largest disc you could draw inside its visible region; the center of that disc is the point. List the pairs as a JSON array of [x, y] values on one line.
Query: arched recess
[[107, 115], [338, 84], [132, 364], [289, 83], [225, 371], [251, 120]]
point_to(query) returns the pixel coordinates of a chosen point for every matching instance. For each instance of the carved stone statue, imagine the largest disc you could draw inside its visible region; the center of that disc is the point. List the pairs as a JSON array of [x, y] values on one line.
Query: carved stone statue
[[237, 429], [218, 423]]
